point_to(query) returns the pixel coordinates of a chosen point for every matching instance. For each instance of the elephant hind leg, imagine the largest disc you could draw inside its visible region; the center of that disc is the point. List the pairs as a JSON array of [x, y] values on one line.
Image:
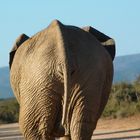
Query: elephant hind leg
[[38, 116], [82, 131], [83, 124]]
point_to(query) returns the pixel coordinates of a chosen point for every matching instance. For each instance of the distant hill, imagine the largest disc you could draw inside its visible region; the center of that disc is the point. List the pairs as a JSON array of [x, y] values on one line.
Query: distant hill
[[5, 90], [126, 68]]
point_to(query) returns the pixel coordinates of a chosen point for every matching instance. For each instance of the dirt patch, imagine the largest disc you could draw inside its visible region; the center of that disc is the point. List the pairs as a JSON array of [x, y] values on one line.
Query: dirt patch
[[126, 128], [119, 124]]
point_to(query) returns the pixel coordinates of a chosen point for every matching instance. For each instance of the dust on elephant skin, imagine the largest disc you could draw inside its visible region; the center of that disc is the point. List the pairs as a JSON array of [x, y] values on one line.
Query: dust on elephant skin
[[61, 78]]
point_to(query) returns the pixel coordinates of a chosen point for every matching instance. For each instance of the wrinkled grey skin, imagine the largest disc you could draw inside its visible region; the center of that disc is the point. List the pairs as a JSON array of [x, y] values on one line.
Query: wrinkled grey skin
[[61, 78]]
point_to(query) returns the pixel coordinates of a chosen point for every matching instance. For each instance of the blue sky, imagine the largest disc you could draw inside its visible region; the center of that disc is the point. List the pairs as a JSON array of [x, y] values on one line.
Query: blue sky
[[119, 19]]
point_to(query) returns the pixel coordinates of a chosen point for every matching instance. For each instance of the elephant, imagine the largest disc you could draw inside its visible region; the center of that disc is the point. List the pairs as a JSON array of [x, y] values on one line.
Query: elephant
[[61, 78]]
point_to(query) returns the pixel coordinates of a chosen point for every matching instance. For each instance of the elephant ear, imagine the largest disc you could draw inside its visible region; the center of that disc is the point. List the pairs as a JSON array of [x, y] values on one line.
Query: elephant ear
[[22, 38], [107, 42]]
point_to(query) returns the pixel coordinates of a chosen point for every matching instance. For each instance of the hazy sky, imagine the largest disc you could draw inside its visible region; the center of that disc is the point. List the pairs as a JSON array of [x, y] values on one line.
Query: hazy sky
[[119, 19]]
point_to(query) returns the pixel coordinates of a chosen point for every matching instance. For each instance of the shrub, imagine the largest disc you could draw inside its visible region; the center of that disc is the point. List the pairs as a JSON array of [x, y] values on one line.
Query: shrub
[[9, 111], [123, 100]]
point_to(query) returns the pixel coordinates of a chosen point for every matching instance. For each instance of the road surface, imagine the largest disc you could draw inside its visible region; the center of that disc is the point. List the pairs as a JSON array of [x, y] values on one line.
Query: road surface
[[126, 129], [10, 132]]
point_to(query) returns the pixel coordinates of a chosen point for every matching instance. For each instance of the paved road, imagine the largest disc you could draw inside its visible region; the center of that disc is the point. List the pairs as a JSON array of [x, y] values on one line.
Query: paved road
[[128, 134], [11, 132]]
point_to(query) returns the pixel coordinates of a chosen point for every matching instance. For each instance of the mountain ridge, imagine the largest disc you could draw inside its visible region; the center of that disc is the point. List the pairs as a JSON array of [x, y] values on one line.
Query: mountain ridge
[[126, 68]]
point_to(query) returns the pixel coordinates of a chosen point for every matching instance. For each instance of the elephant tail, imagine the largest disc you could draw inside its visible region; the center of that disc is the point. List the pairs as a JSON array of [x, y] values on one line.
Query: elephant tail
[[67, 87], [65, 116], [63, 128]]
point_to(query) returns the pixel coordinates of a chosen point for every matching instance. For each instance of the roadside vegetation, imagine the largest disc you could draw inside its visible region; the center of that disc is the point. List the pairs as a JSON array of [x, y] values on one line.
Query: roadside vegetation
[[9, 111], [124, 101]]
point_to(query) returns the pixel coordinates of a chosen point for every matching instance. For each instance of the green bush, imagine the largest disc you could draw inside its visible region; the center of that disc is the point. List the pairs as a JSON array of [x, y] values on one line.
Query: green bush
[[124, 100], [9, 111]]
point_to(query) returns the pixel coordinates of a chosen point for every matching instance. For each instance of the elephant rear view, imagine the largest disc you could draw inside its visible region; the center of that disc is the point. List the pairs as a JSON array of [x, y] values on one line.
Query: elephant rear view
[[61, 78]]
